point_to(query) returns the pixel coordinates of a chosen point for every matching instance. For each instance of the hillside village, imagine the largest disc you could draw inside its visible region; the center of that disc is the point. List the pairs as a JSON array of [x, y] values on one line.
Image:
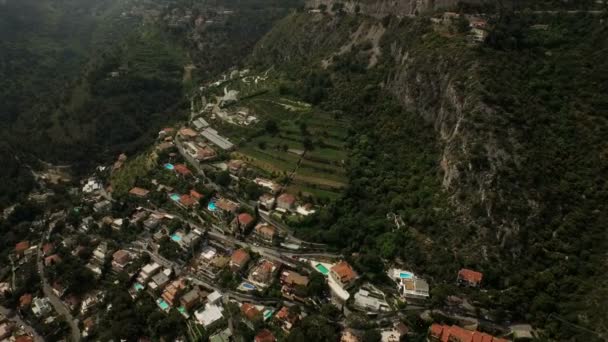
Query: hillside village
[[203, 232], [201, 227]]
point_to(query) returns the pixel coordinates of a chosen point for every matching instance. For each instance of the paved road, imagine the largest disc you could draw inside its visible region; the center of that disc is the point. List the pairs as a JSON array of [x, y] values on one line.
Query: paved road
[[60, 308], [21, 323]]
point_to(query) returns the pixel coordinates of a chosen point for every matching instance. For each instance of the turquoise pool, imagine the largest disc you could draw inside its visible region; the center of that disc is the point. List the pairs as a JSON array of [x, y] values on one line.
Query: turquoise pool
[[322, 269], [162, 304], [211, 206], [176, 238], [174, 197], [169, 166], [406, 275], [138, 287]]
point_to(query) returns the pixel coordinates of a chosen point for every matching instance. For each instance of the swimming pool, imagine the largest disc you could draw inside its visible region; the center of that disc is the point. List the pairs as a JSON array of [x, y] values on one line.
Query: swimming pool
[[162, 304], [268, 313], [322, 269], [211, 206], [169, 166], [406, 275], [174, 197], [138, 287], [248, 286], [176, 238]]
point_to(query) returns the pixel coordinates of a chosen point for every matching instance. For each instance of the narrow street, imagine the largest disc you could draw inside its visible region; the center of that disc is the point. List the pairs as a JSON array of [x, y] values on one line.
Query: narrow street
[[57, 304]]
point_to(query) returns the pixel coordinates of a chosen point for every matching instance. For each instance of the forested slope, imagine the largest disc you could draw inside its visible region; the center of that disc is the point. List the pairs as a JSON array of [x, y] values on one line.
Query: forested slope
[[493, 154]]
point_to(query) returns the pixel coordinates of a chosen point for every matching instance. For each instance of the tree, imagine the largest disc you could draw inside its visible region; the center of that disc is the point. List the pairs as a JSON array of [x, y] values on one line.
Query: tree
[[271, 127], [371, 335]]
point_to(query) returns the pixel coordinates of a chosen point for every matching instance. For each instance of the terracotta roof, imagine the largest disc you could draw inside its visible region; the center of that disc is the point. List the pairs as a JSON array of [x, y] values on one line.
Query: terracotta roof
[[455, 333], [245, 219], [121, 256], [24, 338], [283, 314], [344, 271], [48, 248], [187, 200], [294, 278], [250, 311], [52, 260], [265, 230], [264, 336], [287, 198], [182, 169], [226, 205], [188, 132], [22, 246], [168, 129], [470, 275], [139, 192], [240, 257], [195, 194], [25, 300]]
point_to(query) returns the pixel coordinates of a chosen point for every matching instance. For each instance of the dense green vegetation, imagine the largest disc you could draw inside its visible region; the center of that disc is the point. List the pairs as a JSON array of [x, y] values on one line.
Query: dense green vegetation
[[544, 85]]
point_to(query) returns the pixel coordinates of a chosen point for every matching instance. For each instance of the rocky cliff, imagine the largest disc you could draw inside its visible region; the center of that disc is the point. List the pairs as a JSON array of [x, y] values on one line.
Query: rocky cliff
[[383, 8]]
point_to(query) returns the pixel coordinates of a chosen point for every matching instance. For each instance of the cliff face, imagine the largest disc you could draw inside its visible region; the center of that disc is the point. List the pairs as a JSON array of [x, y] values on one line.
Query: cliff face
[[382, 8]]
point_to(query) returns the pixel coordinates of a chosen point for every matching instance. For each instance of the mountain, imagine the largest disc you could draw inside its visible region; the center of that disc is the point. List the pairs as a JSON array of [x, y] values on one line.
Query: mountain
[[493, 154]]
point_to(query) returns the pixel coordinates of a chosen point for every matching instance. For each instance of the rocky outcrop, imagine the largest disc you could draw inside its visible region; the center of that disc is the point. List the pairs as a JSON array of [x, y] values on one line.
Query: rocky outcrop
[[382, 8]]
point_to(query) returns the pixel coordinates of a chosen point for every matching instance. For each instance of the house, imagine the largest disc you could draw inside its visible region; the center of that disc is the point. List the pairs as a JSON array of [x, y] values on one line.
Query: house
[[24, 338], [122, 158], [415, 288], [21, 248], [58, 288], [158, 281], [100, 253], [89, 325], [235, 166], [305, 210], [264, 336], [187, 201], [147, 272], [227, 205], [266, 202], [25, 301], [250, 312], [222, 336], [120, 259], [263, 273], [239, 259], [52, 260], [241, 223], [6, 329], [291, 278], [467, 277], [190, 299], [182, 170], [102, 206], [200, 124], [286, 201], [41, 306], [173, 291], [454, 333], [187, 133], [204, 153], [209, 315], [117, 224], [370, 301], [196, 195], [343, 274], [268, 184], [139, 192], [265, 232], [286, 318], [151, 223], [349, 336], [48, 248], [215, 138]]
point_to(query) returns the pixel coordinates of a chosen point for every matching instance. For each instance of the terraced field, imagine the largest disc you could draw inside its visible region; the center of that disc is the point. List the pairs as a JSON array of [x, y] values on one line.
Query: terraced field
[[318, 170]]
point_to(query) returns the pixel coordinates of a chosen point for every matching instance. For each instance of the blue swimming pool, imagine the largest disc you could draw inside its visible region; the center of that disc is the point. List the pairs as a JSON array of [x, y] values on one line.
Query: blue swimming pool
[[405, 275], [174, 197], [248, 286], [176, 238], [169, 166], [211, 206], [138, 287]]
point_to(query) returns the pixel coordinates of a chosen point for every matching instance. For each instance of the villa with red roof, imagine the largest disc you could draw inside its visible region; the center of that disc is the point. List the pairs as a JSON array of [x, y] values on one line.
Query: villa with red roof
[[454, 333], [469, 277], [182, 170], [241, 223]]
